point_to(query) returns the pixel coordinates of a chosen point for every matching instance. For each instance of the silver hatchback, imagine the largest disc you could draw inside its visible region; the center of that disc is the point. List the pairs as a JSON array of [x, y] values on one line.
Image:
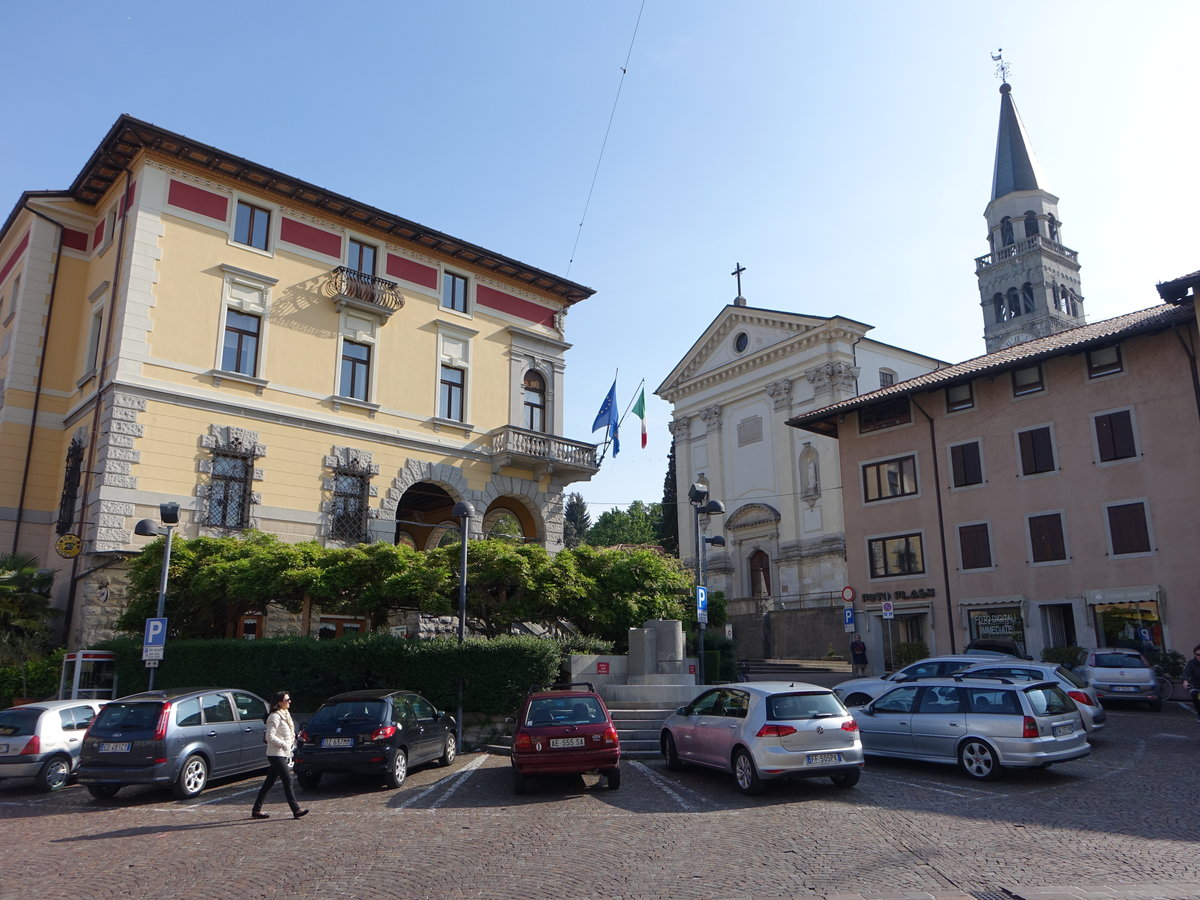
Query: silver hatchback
[[1076, 687], [982, 724], [42, 740], [761, 730]]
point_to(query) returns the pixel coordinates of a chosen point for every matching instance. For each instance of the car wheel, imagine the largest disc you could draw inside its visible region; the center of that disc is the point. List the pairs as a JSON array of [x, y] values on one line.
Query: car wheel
[[519, 786], [192, 777], [671, 753], [399, 769], [858, 699], [613, 776], [978, 760], [53, 774], [450, 751], [846, 779], [103, 791], [746, 774], [308, 779]]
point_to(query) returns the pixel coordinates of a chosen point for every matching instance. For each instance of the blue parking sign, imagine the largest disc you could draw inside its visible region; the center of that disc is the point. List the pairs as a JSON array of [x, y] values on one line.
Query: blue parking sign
[[848, 617]]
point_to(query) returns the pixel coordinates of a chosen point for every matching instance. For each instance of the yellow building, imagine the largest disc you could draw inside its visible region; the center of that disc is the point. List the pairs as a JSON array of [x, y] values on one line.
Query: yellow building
[[184, 325]]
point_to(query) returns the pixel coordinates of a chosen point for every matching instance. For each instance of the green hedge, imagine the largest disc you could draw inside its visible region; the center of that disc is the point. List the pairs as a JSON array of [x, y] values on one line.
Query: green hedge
[[38, 679], [1068, 657], [497, 672]]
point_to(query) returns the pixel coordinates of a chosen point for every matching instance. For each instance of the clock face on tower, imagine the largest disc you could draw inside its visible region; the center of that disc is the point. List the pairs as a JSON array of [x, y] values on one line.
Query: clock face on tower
[[1013, 339]]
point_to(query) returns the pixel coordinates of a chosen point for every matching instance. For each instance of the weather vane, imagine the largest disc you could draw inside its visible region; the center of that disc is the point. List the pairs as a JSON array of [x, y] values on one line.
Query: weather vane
[[1002, 68]]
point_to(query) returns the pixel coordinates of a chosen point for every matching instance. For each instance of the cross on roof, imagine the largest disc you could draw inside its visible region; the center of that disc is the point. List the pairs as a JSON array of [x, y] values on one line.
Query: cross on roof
[[737, 273]]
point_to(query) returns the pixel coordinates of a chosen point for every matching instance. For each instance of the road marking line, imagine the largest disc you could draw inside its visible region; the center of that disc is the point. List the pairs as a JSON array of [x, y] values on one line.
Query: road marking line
[[455, 783], [661, 783], [222, 797], [875, 776]]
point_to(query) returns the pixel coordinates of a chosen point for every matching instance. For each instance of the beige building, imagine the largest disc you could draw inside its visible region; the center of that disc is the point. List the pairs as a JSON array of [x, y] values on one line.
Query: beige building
[[1046, 492], [182, 324]]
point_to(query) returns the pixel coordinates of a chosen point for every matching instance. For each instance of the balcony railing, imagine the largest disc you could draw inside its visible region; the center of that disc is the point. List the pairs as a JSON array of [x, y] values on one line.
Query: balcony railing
[[516, 446], [350, 287], [1020, 248]]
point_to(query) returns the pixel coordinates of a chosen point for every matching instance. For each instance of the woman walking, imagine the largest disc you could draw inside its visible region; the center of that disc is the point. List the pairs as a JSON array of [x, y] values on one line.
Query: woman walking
[[280, 736]]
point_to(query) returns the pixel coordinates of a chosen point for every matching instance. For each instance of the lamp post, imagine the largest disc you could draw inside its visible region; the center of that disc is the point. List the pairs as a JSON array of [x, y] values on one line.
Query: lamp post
[[698, 495], [169, 514], [464, 511]]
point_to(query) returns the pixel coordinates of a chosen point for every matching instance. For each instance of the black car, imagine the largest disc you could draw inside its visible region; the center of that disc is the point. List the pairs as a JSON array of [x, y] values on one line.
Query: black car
[[374, 732]]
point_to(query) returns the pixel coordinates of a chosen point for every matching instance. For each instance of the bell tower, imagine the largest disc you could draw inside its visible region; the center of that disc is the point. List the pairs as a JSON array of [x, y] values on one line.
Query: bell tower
[[1029, 280]]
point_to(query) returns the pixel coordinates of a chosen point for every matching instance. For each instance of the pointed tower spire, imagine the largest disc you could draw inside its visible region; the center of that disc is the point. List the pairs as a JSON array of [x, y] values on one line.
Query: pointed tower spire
[[1029, 282]]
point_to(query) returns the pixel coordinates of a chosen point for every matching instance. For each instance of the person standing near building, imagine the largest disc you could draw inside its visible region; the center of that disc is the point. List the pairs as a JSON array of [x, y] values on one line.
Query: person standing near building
[[280, 736], [1191, 679], [858, 656]]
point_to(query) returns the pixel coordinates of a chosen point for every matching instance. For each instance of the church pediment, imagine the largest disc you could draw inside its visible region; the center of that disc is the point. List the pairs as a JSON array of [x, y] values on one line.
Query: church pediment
[[752, 515], [738, 338]]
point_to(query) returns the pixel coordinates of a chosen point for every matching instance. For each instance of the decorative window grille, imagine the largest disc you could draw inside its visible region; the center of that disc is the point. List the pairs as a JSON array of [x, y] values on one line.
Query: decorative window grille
[[349, 507], [230, 486], [66, 505]]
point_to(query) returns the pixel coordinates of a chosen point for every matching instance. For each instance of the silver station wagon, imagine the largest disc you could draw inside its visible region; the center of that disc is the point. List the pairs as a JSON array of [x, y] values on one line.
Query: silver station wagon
[[982, 724], [760, 730]]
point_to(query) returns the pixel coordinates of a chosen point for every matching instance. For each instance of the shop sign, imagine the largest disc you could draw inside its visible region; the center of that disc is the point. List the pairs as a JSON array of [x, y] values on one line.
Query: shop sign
[[914, 594]]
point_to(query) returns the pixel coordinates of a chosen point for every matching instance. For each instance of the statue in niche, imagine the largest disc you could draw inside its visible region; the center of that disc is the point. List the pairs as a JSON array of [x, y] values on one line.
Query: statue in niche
[[810, 474]]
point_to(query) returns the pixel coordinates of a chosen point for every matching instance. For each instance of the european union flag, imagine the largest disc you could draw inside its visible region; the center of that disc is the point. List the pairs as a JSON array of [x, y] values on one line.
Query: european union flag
[[607, 417]]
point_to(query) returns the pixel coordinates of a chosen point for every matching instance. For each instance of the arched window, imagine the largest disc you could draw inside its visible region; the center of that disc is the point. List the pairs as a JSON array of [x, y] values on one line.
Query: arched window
[[1031, 223], [1052, 227], [1006, 231], [1027, 297], [503, 525], [535, 402], [1073, 301], [998, 305], [1057, 300], [1014, 303], [760, 574]]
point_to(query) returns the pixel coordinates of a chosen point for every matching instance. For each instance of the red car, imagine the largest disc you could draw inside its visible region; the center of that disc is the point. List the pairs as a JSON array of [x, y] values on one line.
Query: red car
[[565, 730]]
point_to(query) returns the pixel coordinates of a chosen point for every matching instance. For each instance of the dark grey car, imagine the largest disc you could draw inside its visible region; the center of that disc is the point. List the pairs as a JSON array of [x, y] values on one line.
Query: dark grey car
[[178, 738]]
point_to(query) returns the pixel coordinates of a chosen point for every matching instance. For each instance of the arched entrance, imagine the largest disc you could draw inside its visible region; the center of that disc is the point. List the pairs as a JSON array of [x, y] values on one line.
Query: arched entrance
[[425, 517], [510, 521]]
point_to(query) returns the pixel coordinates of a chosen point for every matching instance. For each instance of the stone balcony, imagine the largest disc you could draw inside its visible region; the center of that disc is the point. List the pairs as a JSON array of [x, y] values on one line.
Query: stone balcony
[[1029, 245], [544, 453]]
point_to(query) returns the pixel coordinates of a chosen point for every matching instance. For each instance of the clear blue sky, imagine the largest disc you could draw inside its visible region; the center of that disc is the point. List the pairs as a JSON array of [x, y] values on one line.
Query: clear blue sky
[[841, 152]]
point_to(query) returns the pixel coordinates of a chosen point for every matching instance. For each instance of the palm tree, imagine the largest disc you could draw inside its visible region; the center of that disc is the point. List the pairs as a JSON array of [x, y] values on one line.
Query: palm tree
[[25, 595]]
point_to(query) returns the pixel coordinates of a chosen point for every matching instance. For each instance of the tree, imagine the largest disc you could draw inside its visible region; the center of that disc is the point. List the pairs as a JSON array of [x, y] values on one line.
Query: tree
[[25, 611], [506, 583], [668, 528], [576, 521], [637, 525]]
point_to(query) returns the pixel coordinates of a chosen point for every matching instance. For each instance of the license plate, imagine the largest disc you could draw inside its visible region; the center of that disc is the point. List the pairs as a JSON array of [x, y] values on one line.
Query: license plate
[[566, 742], [1124, 687], [337, 742], [821, 759], [1060, 730], [119, 747]]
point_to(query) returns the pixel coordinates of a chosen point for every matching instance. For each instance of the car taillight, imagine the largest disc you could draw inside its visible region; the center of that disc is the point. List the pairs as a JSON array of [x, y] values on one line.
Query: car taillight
[[382, 734], [610, 736], [1030, 730], [775, 731], [523, 742], [850, 725], [1080, 697], [34, 746], [160, 731]]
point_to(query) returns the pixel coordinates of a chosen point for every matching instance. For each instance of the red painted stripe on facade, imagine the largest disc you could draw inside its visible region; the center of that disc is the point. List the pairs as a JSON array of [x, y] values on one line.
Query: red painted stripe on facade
[[98, 235], [76, 240], [400, 267], [127, 199], [198, 200], [306, 236], [14, 256], [514, 306]]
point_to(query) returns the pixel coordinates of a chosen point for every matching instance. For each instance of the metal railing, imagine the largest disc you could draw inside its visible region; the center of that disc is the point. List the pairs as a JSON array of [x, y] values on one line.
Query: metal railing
[[350, 284]]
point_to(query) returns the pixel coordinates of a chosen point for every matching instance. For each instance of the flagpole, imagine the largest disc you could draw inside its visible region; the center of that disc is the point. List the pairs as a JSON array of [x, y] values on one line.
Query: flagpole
[[641, 384]]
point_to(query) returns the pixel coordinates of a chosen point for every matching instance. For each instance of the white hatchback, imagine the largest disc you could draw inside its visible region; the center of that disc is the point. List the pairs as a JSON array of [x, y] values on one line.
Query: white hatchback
[[42, 740]]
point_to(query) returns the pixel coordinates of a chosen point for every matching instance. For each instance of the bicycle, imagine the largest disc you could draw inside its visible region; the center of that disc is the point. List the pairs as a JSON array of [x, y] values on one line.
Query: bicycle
[[1166, 687]]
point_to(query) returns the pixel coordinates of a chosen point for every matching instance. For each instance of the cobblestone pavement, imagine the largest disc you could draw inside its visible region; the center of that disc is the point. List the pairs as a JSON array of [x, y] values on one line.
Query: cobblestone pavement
[[1120, 823]]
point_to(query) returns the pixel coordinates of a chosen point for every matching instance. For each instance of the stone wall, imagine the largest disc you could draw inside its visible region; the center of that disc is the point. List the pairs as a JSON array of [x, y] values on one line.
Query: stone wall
[[790, 633]]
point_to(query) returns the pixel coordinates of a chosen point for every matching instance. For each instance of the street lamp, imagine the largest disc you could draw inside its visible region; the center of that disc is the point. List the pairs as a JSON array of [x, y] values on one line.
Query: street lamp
[[698, 495], [464, 511], [169, 514]]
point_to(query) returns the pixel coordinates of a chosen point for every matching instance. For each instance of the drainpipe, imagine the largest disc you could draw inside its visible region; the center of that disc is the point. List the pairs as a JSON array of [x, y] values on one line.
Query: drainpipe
[[937, 486], [37, 391], [89, 467]]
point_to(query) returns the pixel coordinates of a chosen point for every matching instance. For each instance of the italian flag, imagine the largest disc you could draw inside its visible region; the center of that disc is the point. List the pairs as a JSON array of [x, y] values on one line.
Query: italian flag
[[639, 410]]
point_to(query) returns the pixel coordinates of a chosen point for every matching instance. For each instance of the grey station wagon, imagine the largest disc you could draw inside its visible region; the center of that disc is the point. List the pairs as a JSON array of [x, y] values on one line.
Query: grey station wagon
[[178, 738]]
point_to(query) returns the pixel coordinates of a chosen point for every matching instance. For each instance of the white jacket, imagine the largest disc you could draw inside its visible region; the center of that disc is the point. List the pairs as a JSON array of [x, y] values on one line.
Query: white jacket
[[280, 734]]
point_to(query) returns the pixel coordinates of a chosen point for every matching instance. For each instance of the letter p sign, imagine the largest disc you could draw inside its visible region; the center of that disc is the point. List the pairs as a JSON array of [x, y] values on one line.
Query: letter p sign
[[156, 633]]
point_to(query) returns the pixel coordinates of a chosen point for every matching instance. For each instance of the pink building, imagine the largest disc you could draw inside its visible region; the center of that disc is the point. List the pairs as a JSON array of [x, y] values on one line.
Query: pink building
[[1047, 492]]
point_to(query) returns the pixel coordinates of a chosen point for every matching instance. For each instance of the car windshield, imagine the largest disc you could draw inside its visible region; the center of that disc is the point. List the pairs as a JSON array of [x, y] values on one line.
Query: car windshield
[[133, 716], [1070, 677], [1119, 661], [806, 705], [1049, 700], [366, 710], [563, 711], [18, 722]]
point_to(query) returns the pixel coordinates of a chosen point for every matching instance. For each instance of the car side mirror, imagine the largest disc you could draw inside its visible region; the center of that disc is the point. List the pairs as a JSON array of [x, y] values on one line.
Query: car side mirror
[[510, 721], [869, 709], [682, 711], [899, 676]]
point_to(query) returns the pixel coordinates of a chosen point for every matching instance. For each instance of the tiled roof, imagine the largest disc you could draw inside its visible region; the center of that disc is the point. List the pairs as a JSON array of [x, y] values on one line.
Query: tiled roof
[[1176, 289], [1073, 340]]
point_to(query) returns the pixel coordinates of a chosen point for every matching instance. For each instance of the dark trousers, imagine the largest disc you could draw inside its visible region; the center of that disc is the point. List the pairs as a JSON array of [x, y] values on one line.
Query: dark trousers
[[280, 770], [1195, 699]]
